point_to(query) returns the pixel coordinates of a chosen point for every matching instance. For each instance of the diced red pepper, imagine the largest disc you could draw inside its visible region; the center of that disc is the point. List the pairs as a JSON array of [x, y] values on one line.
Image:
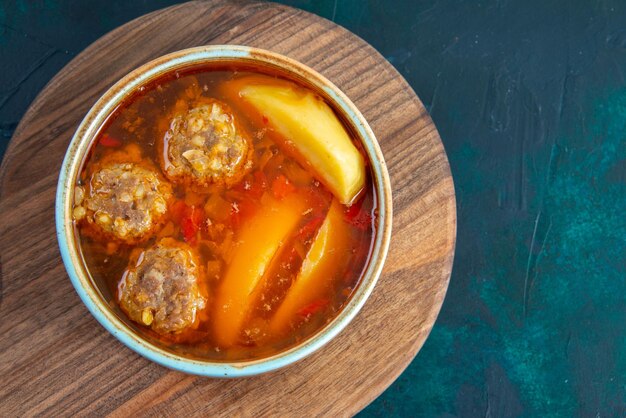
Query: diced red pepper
[[197, 215], [190, 219], [177, 210], [281, 187], [265, 120], [189, 230], [107, 140], [313, 307]]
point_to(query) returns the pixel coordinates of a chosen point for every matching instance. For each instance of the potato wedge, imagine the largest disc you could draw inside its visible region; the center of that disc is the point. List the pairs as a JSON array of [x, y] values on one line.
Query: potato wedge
[[326, 254], [258, 242], [309, 125]]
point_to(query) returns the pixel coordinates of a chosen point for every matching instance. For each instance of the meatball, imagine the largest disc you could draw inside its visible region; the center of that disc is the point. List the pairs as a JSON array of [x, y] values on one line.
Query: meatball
[[161, 289], [205, 146], [123, 200]]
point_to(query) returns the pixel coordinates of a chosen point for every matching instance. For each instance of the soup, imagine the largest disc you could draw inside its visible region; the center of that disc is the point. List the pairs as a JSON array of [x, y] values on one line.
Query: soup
[[225, 213]]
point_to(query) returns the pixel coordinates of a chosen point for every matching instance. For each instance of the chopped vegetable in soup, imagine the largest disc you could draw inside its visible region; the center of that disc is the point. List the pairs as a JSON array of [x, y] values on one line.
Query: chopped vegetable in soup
[[226, 213]]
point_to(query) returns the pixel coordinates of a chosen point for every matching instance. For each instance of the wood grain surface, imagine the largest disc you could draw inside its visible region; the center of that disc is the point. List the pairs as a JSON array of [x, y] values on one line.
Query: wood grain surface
[[56, 360]]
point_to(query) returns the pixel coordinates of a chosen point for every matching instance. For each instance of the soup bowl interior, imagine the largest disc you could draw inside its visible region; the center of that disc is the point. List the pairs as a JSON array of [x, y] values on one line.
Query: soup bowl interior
[[96, 299]]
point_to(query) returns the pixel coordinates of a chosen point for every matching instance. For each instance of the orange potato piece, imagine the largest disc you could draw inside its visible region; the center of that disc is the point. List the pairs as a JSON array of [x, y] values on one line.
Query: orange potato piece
[[318, 270], [257, 243]]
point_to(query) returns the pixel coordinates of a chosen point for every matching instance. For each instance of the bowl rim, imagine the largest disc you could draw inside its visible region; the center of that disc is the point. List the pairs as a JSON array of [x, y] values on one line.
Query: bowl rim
[[82, 140]]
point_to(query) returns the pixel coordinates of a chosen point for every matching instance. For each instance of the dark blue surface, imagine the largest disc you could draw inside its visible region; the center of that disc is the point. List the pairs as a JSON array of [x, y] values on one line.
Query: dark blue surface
[[530, 100]]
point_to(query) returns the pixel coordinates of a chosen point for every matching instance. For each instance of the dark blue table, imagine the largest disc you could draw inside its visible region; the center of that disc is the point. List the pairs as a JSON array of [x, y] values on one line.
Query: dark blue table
[[530, 101]]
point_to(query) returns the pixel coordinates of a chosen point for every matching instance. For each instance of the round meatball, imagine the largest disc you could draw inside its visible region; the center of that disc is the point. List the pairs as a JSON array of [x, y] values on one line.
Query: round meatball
[[204, 146], [123, 200], [160, 289]]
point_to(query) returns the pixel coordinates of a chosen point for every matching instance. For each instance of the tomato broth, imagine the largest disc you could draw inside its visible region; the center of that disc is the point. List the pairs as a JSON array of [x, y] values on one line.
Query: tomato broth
[[225, 224]]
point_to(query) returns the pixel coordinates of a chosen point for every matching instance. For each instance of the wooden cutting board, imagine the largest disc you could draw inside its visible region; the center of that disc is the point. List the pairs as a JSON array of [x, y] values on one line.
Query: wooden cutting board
[[55, 359]]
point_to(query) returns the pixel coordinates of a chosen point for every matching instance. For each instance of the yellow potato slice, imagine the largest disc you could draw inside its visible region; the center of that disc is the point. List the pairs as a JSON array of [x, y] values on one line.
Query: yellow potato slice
[[310, 126], [322, 262], [258, 241]]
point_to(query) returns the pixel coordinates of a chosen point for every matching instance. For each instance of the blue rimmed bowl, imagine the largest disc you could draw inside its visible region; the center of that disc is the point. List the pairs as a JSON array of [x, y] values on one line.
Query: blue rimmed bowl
[[83, 139]]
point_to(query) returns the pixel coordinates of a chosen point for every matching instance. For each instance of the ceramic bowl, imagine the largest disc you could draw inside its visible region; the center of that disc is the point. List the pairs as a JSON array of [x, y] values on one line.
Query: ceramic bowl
[[82, 142]]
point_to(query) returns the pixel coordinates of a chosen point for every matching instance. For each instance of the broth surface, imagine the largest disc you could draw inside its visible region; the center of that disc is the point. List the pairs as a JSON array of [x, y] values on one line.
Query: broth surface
[[210, 220]]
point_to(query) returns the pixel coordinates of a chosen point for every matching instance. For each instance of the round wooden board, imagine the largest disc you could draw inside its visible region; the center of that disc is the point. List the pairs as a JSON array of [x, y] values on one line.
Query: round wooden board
[[55, 359]]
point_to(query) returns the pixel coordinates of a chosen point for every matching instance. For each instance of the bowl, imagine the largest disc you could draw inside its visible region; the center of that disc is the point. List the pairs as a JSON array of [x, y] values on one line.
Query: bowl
[[84, 137]]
